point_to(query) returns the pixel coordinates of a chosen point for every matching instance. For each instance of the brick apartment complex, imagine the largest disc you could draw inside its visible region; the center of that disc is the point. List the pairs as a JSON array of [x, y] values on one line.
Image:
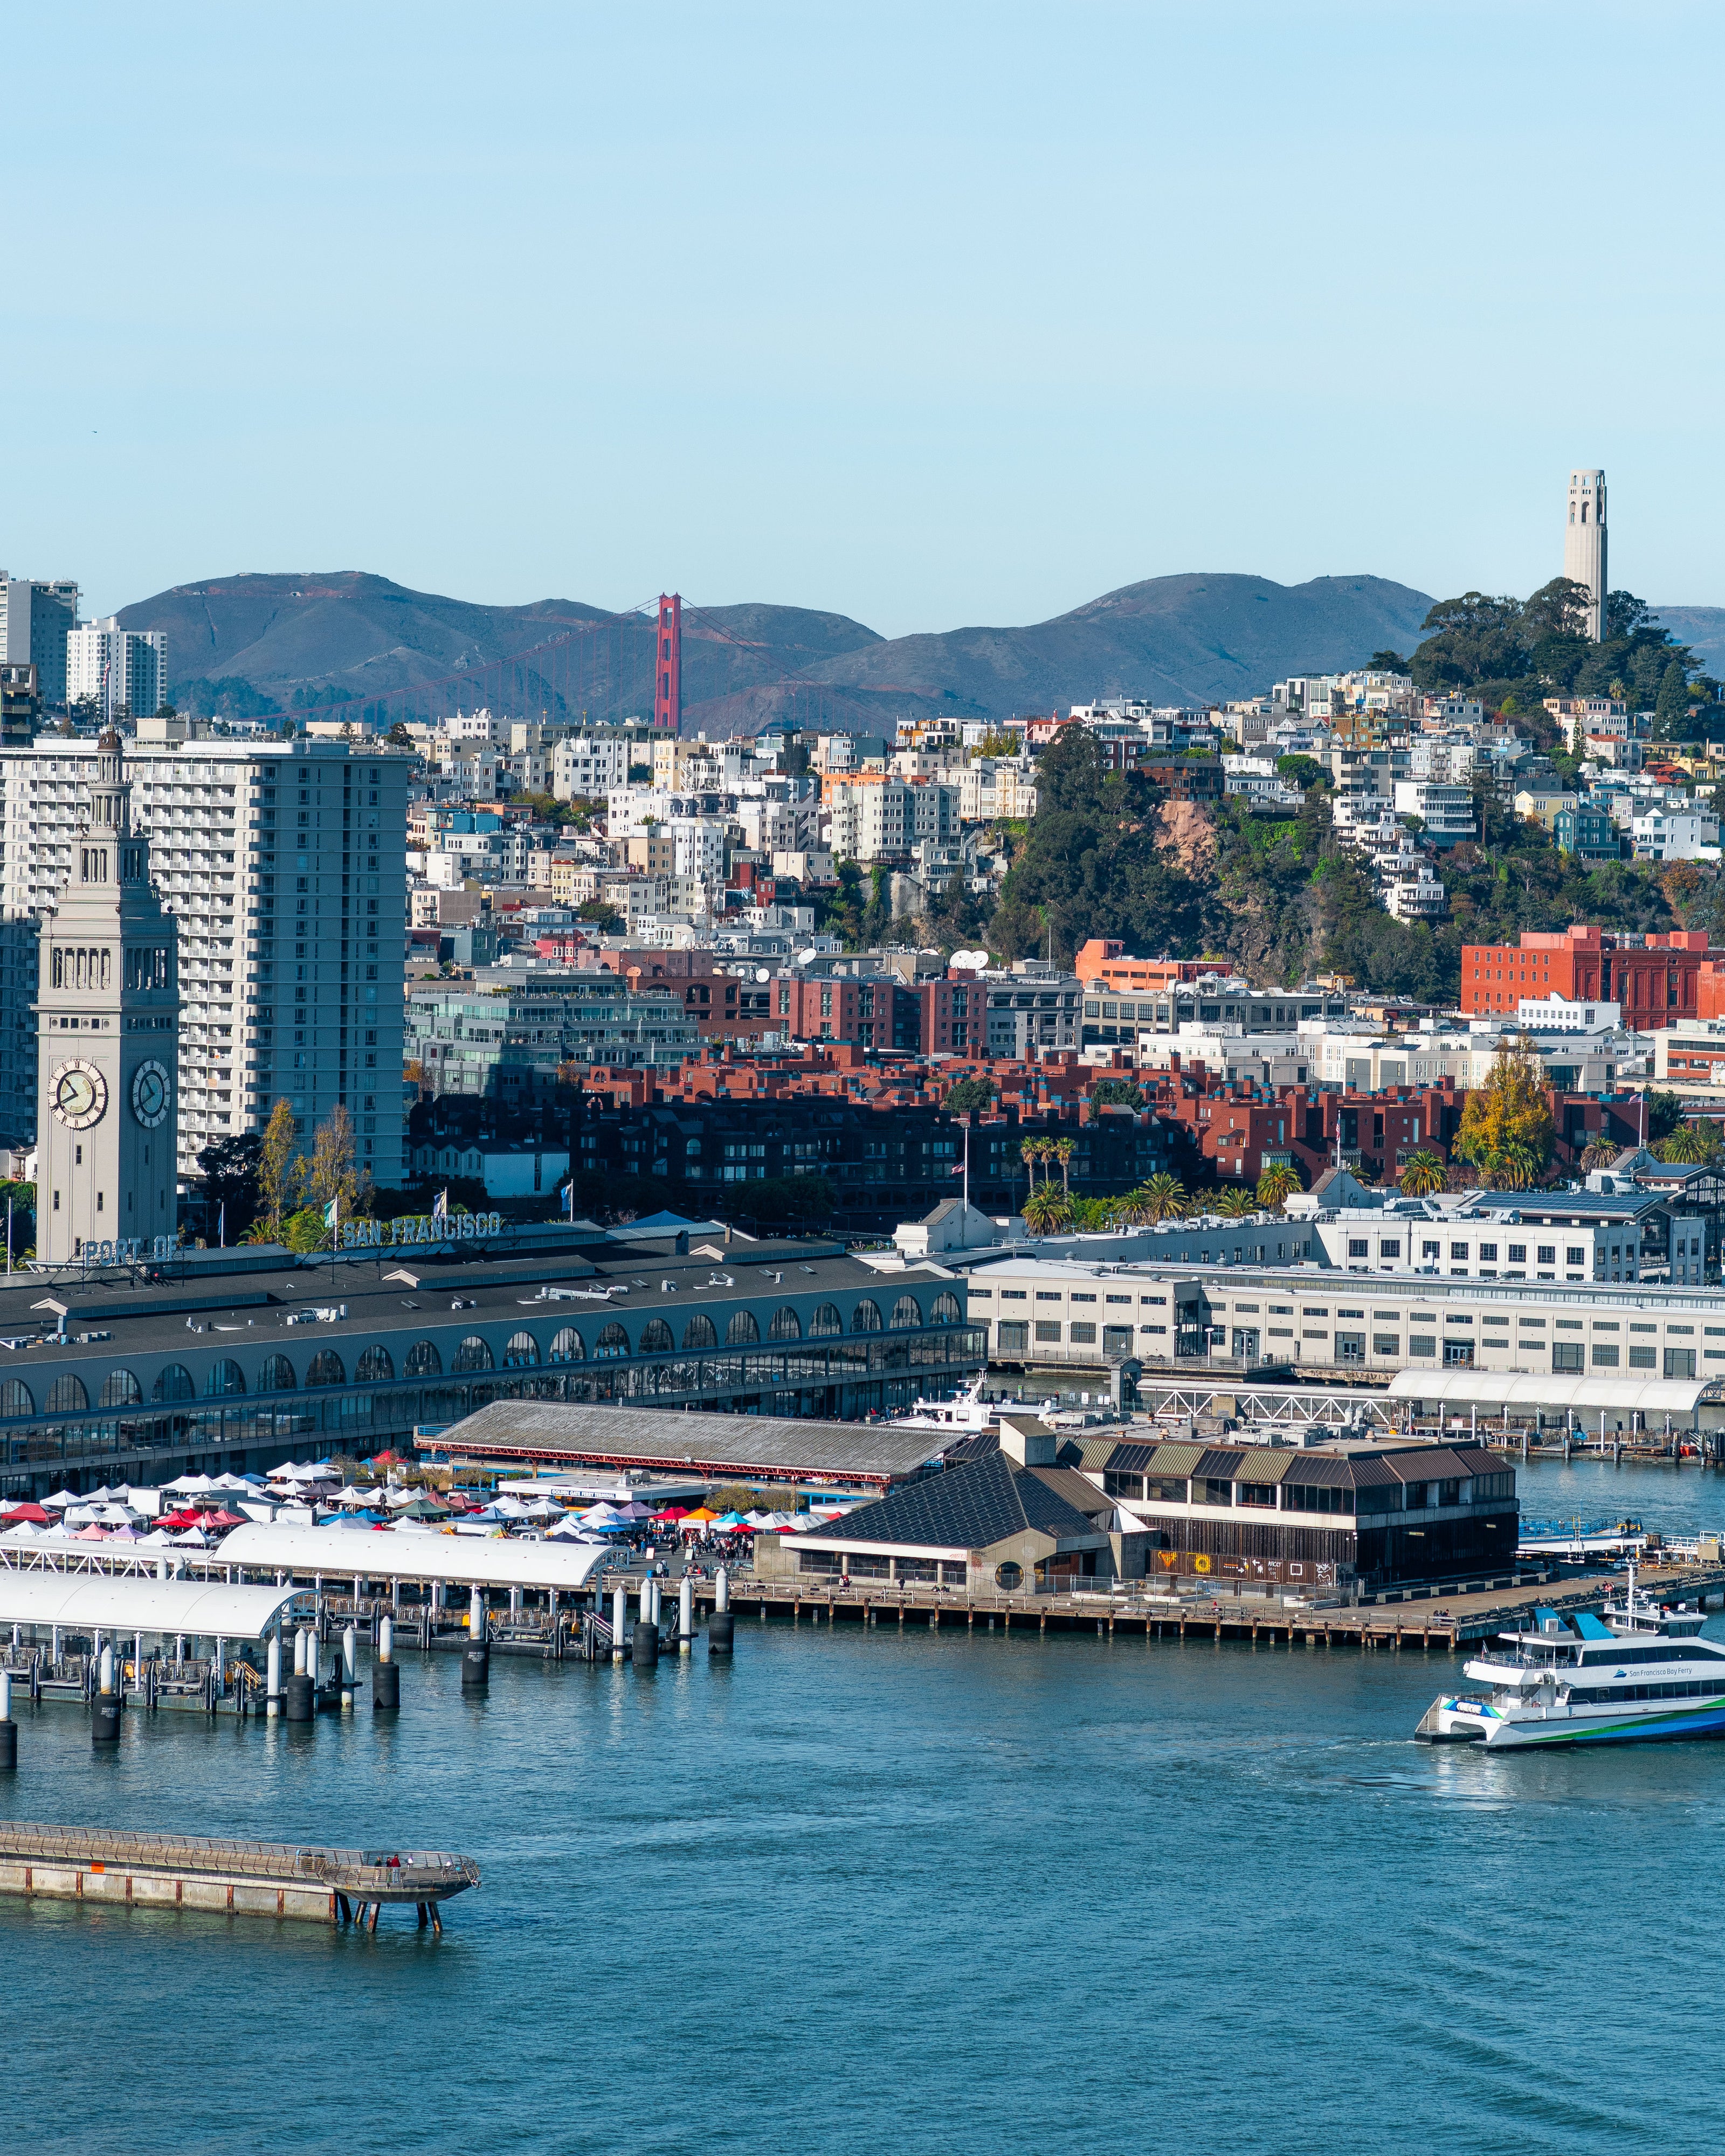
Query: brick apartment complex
[[1657, 979]]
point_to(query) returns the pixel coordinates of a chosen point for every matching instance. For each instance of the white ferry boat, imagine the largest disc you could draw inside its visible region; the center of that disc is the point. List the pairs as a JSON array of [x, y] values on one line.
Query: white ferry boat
[[1637, 1672], [968, 1416]]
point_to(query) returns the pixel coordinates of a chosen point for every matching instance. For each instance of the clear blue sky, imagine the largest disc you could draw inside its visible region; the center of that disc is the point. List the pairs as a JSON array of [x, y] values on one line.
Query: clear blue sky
[[928, 314]]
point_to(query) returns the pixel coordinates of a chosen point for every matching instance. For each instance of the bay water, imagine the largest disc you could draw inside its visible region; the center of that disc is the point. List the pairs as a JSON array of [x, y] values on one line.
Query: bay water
[[865, 1891]]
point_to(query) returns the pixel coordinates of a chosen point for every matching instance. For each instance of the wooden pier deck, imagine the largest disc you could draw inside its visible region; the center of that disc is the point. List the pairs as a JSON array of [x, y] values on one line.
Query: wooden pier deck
[[236, 1878], [1449, 1622]]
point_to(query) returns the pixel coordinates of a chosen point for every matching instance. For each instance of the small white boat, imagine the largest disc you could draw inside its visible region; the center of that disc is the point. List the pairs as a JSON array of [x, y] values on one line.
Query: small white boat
[[968, 1415], [1638, 1670]]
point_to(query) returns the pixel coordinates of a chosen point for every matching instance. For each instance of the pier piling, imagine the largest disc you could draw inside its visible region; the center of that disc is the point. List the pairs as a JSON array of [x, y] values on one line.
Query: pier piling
[[386, 1670], [720, 1632], [686, 1615], [477, 1656]]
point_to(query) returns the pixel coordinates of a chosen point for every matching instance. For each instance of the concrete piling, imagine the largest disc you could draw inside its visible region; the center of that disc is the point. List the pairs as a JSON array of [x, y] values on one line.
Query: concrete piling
[[720, 1631], [9, 1727], [350, 1668], [386, 1670], [686, 1615], [619, 1620], [104, 1708], [476, 1655], [643, 1643], [272, 1695], [721, 1589]]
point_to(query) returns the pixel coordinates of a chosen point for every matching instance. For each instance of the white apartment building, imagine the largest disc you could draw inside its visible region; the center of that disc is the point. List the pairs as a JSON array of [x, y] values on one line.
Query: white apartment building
[[285, 863], [1666, 835], [997, 790], [1445, 811], [585, 766], [877, 818], [120, 670]]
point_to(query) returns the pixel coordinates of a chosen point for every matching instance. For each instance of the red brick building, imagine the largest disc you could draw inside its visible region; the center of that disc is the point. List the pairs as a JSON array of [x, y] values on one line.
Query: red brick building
[[1656, 978]]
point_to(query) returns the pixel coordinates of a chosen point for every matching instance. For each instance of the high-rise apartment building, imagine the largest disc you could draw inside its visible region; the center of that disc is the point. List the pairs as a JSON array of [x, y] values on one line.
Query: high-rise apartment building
[[1584, 544], [284, 862], [122, 671], [36, 618]]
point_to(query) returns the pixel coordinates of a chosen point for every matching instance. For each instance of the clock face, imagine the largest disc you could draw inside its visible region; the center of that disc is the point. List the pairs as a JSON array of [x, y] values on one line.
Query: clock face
[[151, 1090], [78, 1094]]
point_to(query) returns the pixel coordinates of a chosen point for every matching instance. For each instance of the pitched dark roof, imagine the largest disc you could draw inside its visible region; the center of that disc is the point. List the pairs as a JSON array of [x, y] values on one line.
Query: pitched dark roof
[[966, 1508], [1076, 1490]]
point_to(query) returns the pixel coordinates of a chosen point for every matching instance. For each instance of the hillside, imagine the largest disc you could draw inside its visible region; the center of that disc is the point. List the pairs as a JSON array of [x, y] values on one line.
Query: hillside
[[1702, 629], [267, 643]]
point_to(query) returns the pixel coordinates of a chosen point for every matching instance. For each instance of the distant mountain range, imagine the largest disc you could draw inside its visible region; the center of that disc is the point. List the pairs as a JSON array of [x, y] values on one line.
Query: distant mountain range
[[251, 645]]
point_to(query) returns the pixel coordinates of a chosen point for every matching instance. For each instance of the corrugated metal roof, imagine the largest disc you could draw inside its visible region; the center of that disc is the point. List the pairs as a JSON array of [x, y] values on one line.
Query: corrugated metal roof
[[1130, 1459], [971, 1508], [1465, 1388], [1219, 1460], [1176, 1458], [724, 1444], [1076, 1490], [1265, 1466]]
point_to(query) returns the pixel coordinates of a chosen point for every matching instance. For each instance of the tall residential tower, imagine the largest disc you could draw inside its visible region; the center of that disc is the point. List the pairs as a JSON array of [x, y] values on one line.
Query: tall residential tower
[[1584, 544]]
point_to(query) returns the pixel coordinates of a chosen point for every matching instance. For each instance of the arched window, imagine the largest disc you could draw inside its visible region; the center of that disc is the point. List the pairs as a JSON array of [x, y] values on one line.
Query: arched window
[[472, 1354], [423, 1360], [522, 1352], [946, 1309], [67, 1396], [742, 1330], [699, 1332], [867, 1317], [173, 1383], [825, 1322], [16, 1398], [905, 1311], [120, 1389], [376, 1366], [277, 1375], [567, 1345], [656, 1338], [614, 1341], [786, 1324], [224, 1377], [326, 1369]]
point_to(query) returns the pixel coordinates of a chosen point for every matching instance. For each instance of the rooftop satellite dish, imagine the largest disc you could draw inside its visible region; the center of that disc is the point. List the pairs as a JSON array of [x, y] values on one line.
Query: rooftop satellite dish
[[762, 973], [975, 962], [806, 957]]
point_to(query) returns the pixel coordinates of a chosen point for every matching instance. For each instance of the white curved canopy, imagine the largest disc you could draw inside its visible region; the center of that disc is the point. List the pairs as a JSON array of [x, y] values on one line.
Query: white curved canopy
[[458, 1560], [1467, 1388], [87, 1602]]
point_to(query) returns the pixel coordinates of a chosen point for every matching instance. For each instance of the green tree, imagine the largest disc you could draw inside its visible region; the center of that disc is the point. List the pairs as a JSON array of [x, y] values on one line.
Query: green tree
[[603, 916], [1233, 1204], [1690, 1144], [1671, 710], [1665, 1112], [1507, 1130], [971, 1094], [281, 1172], [332, 1174], [1422, 1174], [1163, 1197], [1304, 771], [230, 1169], [1047, 1210], [1276, 1185]]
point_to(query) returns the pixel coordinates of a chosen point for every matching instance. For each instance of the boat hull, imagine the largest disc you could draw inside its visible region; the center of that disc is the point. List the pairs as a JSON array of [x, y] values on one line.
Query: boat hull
[[1456, 1720]]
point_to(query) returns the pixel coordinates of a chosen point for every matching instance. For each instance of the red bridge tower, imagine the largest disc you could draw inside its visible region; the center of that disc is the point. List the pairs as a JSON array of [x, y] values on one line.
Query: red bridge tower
[[667, 667]]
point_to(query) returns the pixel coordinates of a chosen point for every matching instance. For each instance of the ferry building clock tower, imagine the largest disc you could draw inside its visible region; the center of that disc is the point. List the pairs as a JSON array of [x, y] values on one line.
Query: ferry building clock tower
[[108, 1022]]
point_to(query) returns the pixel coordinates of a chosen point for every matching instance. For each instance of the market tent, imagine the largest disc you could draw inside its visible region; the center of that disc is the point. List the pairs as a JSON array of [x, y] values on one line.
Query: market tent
[[36, 1515], [61, 1499], [190, 1486], [673, 1512], [699, 1517]]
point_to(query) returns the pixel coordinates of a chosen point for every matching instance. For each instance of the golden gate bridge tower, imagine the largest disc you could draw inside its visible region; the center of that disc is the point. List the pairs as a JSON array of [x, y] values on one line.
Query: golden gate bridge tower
[[667, 667]]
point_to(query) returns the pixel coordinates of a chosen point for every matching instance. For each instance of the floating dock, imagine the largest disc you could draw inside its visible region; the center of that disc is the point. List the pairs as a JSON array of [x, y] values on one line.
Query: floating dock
[[276, 1879]]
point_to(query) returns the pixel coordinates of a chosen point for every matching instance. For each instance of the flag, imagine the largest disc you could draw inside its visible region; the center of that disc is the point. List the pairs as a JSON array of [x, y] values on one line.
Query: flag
[[440, 1206], [331, 1212]]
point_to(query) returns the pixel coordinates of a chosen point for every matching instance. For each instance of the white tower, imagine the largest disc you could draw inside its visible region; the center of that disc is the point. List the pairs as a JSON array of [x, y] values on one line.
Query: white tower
[[108, 1020], [1584, 544]]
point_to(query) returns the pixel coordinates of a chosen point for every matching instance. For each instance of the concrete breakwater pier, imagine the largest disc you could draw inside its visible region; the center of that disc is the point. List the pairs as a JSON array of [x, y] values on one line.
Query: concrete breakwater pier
[[282, 1880]]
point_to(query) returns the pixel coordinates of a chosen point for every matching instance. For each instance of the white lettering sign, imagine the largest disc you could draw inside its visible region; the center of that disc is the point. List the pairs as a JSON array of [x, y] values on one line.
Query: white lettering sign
[[420, 1228]]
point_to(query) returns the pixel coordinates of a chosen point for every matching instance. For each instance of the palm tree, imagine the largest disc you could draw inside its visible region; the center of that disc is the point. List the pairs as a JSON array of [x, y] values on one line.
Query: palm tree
[[1517, 1166], [1422, 1174], [1235, 1204], [1276, 1185], [1063, 1149], [1162, 1196], [1047, 1210], [1686, 1146], [1033, 1151], [1600, 1153]]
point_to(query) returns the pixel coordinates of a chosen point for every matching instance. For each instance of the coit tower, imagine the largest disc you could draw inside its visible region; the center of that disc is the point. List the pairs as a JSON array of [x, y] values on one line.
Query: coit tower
[[1584, 544], [108, 1020]]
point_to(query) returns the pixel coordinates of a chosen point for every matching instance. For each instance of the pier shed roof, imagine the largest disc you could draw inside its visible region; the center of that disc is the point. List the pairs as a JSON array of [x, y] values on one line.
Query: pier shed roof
[[972, 1508], [1467, 1389], [81, 1601], [782, 1447], [457, 1560]]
